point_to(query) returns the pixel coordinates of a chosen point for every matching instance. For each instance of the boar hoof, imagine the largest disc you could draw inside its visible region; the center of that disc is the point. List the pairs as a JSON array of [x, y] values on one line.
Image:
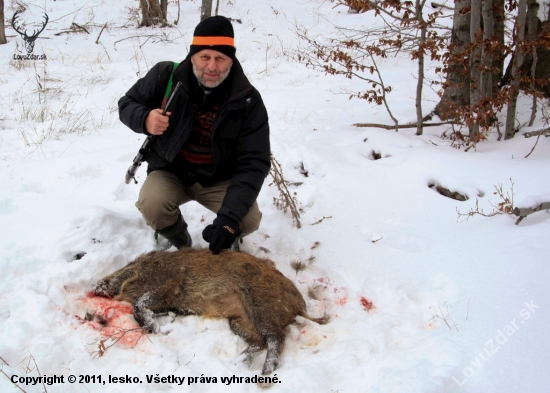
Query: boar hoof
[[153, 327], [273, 352]]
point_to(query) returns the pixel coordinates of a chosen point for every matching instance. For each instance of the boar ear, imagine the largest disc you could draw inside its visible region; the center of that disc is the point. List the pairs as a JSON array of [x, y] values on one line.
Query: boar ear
[[111, 285], [105, 288]]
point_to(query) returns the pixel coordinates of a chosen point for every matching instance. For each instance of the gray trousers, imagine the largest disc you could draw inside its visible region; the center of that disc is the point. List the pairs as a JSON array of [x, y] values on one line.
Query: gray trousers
[[162, 194]]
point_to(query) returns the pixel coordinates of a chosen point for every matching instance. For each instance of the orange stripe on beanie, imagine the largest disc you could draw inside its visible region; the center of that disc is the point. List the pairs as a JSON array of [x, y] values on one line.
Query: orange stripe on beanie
[[211, 41]]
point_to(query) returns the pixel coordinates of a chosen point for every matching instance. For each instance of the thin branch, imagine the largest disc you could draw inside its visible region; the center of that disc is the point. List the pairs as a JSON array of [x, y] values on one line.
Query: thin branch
[[14, 384], [161, 37], [443, 318], [115, 337], [410, 125], [384, 93], [74, 12], [190, 360], [38, 370], [321, 220], [103, 28], [533, 149], [437, 5], [285, 200], [80, 27], [505, 206], [29, 369]]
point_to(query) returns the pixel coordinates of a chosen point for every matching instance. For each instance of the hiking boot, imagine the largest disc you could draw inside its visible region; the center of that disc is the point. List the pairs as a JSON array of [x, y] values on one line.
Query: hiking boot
[[177, 234]]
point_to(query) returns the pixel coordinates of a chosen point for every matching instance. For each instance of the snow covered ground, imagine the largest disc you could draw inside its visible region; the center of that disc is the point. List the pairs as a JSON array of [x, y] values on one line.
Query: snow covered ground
[[419, 302]]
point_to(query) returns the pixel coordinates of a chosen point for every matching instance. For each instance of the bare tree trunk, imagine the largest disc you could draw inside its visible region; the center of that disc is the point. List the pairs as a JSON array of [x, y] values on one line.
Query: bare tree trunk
[[206, 9], [516, 74], [488, 71], [456, 92], [498, 34], [531, 35], [153, 12], [2, 29], [164, 11], [420, 83], [179, 9], [145, 16], [486, 53], [475, 68]]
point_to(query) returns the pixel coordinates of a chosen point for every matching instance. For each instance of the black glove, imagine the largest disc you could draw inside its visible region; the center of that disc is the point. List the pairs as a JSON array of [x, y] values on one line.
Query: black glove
[[221, 233]]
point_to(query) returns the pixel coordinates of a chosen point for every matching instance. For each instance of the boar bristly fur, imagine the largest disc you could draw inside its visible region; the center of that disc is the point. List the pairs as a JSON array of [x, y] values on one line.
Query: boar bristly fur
[[256, 298]]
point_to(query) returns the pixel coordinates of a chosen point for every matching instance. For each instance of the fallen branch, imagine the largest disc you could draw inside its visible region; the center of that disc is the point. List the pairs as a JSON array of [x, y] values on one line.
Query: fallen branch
[[103, 28], [73, 29], [523, 212], [156, 38], [321, 220], [537, 133], [388, 127]]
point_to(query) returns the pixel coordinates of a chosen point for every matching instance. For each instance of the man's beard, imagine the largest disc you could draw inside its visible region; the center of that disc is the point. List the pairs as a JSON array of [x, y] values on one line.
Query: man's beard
[[210, 84]]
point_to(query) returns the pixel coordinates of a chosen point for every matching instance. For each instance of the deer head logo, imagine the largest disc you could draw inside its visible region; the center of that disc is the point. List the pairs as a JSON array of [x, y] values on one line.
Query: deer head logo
[[29, 40]]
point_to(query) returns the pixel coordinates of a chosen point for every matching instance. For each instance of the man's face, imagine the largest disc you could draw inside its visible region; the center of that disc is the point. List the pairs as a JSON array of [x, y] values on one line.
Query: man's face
[[211, 67]]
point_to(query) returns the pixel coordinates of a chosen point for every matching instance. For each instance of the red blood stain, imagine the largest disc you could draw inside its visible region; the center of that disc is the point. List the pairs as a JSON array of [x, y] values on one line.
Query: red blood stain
[[111, 317], [367, 304], [303, 331], [343, 300]]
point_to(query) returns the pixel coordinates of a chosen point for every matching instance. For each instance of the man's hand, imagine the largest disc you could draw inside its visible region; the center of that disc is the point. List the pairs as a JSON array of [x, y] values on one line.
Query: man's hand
[[221, 233], [156, 123]]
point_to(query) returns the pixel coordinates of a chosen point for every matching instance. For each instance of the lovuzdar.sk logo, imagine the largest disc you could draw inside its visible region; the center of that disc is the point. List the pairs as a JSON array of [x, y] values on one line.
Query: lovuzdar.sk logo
[[29, 39]]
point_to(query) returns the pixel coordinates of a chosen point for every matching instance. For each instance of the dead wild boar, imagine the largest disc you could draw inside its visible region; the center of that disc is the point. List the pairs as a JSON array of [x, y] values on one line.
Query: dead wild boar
[[256, 298]]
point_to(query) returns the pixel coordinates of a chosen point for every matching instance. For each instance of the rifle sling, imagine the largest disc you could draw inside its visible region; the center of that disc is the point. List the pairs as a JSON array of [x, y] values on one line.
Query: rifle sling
[[168, 87]]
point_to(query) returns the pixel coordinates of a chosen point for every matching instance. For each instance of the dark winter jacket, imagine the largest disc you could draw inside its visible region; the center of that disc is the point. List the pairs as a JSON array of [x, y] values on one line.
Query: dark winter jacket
[[240, 136]]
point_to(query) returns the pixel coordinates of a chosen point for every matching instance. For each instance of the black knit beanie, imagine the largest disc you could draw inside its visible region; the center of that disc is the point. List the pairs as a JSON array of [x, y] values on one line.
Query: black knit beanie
[[214, 33]]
